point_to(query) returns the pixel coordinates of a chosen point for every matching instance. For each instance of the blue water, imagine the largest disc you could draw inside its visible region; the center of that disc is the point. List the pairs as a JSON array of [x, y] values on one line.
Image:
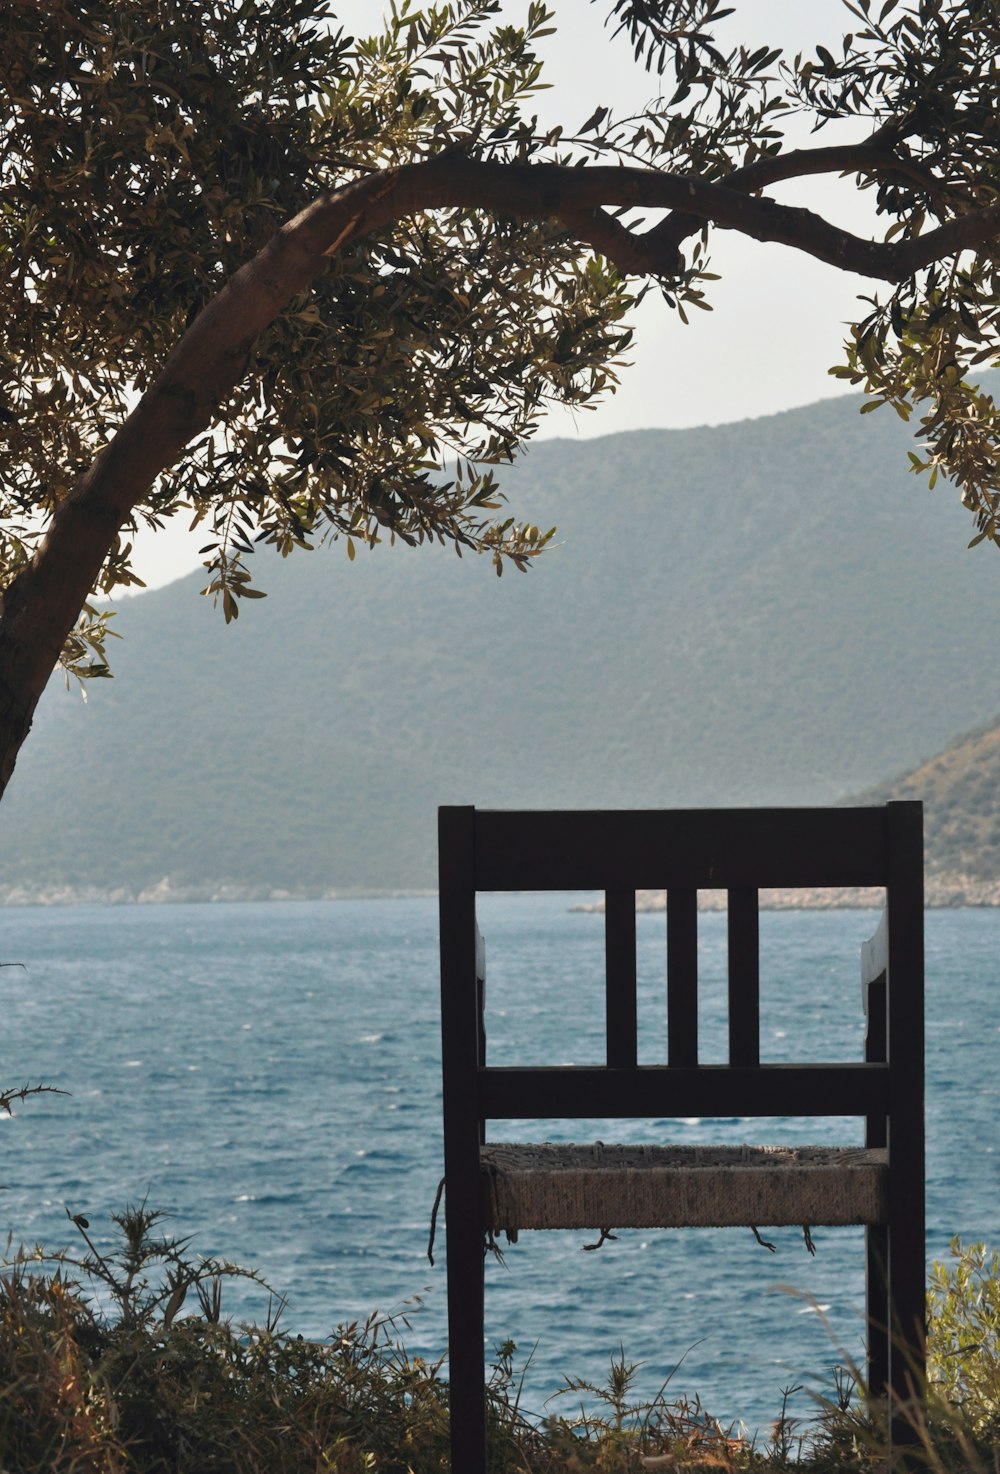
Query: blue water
[[271, 1076]]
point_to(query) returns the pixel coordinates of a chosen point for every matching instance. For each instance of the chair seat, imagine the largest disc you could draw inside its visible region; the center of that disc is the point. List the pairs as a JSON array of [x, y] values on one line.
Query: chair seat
[[527, 1185]]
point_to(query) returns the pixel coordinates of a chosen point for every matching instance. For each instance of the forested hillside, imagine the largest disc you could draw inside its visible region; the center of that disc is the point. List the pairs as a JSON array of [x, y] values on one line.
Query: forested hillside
[[960, 790], [770, 611]]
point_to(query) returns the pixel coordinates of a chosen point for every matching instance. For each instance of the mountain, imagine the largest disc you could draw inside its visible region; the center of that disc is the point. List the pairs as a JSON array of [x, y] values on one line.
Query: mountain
[[960, 789], [768, 611]]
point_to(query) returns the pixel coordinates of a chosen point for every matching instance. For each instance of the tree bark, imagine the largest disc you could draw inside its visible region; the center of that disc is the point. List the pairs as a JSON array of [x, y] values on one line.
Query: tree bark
[[43, 603]]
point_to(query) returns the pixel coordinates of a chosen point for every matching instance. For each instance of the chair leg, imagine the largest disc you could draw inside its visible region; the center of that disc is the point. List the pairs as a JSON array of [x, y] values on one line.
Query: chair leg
[[907, 1347], [466, 1357], [877, 1309]]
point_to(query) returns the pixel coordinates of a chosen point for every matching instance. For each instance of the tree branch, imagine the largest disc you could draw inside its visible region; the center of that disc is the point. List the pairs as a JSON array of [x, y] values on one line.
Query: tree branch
[[527, 190], [43, 603], [631, 253], [872, 157], [963, 233]]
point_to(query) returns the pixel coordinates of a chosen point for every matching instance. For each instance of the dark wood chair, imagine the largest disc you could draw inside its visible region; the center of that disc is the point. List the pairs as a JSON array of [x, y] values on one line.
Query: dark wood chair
[[490, 1189]]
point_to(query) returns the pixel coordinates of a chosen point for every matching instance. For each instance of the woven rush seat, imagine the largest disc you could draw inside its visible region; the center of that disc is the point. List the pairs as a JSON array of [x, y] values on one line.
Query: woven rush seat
[[535, 1186]]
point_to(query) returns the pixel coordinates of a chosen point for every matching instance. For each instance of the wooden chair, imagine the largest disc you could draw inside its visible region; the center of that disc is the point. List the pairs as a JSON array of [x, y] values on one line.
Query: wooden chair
[[490, 1189]]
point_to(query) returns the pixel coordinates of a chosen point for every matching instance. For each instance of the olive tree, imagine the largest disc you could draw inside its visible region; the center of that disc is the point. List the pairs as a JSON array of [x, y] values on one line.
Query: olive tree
[[294, 285]]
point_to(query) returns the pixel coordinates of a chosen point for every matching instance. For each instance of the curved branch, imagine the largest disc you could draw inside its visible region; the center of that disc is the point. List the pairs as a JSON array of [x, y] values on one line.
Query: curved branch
[[874, 157], [527, 190], [43, 603], [845, 158], [963, 233]]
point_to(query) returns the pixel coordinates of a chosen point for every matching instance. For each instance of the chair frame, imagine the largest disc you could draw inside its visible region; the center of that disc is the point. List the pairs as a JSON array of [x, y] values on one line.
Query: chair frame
[[683, 851]]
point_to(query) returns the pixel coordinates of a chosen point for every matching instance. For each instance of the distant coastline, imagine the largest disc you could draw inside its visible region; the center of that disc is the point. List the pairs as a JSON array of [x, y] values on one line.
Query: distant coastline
[[952, 892], [167, 893]]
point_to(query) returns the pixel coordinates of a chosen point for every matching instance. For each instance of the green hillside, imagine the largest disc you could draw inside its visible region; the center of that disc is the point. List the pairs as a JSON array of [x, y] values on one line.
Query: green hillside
[[960, 789], [769, 611]]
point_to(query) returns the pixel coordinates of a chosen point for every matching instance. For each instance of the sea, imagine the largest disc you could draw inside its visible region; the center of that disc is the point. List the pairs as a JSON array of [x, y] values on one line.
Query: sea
[[269, 1076]]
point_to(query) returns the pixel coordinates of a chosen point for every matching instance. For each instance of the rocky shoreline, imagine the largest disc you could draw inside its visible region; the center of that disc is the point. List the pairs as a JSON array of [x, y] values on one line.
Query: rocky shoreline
[[940, 891], [168, 893]]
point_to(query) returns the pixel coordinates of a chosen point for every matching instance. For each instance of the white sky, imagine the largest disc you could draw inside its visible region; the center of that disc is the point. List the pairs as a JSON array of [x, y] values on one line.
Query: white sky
[[778, 319]]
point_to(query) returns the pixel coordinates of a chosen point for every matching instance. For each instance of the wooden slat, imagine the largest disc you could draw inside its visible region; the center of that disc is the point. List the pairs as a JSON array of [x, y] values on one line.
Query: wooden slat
[[874, 963], [682, 976], [905, 979], [876, 1133], [744, 978], [460, 1025], [481, 991], [620, 985], [660, 1091], [874, 971], [460, 1047], [875, 952], [877, 1312], [657, 850]]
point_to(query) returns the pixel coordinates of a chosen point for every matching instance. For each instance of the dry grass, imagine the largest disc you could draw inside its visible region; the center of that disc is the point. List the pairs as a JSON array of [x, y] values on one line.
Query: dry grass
[[159, 1382]]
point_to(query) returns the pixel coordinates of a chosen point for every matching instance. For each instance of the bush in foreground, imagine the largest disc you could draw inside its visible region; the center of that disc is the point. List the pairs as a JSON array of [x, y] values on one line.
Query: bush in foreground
[[140, 1373]]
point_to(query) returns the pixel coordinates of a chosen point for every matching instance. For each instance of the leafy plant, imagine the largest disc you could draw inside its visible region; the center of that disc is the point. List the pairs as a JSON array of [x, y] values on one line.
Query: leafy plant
[[957, 1423], [133, 1377], [141, 1373], [618, 1432], [964, 1335]]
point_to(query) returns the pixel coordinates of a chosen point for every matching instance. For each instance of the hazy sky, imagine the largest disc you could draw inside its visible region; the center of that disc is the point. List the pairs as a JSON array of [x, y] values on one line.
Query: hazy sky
[[778, 318]]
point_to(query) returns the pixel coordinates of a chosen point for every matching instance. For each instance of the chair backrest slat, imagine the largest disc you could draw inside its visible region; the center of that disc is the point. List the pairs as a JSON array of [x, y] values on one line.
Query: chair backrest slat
[[744, 977], [620, 985], [658, 1092], [682, 976], [643, 849]]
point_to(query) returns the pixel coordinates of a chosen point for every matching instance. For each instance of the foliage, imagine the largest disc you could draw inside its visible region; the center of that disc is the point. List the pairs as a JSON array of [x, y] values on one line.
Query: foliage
[[957, 1428], [151, 149], [133, 1380], [964, 1335], [929, 79], [616, 1431], [140, 1388]]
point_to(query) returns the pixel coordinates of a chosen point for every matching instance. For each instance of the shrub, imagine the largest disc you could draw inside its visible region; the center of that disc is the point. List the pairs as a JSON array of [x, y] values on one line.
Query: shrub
[[140, 1373]]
